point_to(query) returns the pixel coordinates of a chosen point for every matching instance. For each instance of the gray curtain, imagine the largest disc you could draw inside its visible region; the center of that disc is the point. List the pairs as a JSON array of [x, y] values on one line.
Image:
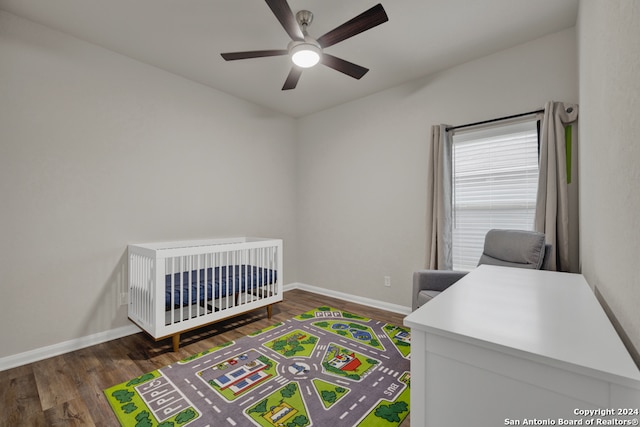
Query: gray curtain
[[556, 203], [439, 187]]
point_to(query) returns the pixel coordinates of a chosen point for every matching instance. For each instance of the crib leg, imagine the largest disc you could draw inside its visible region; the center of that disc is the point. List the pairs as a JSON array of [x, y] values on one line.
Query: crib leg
[[176, 342], [269, 311]]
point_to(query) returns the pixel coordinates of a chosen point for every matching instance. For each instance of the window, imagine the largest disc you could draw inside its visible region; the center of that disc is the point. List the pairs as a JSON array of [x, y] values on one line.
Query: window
[[495, 180]]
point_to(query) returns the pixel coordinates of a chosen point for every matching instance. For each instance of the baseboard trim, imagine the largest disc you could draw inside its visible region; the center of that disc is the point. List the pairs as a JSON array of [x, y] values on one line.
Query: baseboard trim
[[369, 302], [42, 353]]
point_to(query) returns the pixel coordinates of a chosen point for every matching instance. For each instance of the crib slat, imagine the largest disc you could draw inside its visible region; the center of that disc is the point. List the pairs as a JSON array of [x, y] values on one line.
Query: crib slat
[[189, 268], [263, 269], [241, 279], [199, 277], [145, 290], [173, 290], [228, 281], [236, 293], [250, 264], [224, 283]]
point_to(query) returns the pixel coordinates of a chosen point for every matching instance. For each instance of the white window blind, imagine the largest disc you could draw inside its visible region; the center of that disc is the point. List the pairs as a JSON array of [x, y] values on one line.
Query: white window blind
[[495, 180]]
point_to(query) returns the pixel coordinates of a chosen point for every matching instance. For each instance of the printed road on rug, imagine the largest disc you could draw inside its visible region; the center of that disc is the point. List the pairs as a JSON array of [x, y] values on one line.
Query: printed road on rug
[[325, 367]]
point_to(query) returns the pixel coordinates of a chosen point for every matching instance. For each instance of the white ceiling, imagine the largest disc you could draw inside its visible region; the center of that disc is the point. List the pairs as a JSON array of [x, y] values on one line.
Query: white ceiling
[[186, 37]]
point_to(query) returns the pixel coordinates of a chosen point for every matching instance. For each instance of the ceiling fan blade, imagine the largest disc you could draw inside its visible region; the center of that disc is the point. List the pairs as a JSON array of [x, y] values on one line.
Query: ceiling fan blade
[[292, 78], [232, 56], [346, 67], [282, 11], [363, 22]]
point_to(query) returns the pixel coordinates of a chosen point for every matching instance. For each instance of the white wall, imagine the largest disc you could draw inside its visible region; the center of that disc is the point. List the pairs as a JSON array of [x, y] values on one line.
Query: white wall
[[609, 58], [362, 172], [98, 151]]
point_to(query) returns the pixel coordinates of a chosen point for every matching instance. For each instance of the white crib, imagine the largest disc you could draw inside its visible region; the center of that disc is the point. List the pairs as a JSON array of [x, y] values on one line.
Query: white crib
[[175, 287]]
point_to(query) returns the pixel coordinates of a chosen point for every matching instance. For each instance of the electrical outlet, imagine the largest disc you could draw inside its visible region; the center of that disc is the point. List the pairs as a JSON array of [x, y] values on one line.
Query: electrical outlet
[[124, 298], [387, 281]]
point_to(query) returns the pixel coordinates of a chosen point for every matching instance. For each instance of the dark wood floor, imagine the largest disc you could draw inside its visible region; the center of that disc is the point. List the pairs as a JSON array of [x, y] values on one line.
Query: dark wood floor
[[66, 390]]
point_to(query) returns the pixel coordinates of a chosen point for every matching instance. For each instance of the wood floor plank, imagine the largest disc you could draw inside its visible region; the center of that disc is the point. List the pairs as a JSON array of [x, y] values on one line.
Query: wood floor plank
[[73, 413], [36, 419], [15, 373], [55, 381], [94, 398], [67, 390], [20, 401]]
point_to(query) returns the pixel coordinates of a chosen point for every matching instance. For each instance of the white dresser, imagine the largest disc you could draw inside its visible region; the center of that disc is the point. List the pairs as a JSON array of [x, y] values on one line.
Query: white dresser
[[508, 346]]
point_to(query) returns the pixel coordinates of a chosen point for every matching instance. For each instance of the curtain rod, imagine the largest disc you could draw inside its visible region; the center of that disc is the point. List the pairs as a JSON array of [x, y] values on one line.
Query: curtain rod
[[494, 120]]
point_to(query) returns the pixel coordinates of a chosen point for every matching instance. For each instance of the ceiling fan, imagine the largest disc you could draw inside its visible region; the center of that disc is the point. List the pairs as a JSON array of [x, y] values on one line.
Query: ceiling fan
[[305, 51]]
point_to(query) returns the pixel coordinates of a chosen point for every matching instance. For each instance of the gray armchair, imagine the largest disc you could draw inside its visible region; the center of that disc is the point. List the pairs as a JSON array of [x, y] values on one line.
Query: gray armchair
[[508, 248]]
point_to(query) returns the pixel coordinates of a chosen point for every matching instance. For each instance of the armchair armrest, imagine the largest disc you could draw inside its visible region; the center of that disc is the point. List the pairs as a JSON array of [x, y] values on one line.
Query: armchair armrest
[[434, 281]]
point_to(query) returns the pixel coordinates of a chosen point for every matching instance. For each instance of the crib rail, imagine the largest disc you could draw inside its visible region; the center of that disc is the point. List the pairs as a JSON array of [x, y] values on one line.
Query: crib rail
[[178, 286]]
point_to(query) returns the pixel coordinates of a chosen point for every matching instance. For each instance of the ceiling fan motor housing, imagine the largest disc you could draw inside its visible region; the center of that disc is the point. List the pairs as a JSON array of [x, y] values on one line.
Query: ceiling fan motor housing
[[304, 18]]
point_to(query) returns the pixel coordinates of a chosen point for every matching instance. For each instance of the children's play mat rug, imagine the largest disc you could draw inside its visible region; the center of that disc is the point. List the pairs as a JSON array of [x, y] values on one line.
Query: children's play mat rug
[[325, 367]]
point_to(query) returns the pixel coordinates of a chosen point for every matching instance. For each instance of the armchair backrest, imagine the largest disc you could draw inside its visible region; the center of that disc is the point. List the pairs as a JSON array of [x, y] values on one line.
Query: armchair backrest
[[514, 248]]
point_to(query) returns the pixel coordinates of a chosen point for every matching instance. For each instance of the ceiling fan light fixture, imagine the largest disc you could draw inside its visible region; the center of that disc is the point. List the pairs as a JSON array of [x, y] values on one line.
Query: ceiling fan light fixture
[[305, 55]]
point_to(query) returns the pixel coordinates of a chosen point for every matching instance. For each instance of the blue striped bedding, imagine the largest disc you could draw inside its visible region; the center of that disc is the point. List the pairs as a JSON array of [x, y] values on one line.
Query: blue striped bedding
[[214, 283]]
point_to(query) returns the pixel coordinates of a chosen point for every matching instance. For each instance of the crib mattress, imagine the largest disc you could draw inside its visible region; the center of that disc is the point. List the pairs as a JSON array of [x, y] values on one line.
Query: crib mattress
[[214, 283]]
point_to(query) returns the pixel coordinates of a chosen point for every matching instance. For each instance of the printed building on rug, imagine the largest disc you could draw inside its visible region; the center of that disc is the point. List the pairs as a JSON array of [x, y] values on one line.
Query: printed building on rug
[[344, 361]]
